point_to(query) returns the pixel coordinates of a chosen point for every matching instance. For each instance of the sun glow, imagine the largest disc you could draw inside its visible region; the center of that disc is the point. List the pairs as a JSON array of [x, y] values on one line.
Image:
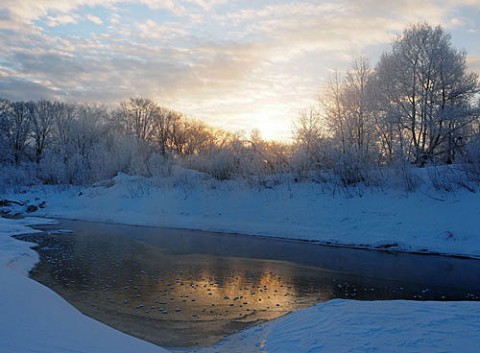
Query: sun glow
[[272, 125], [272, 129]]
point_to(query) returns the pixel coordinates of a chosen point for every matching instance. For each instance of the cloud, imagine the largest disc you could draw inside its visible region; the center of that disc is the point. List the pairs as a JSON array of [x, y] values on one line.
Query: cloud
[[175, 7], [94, 19], [473, 62], [55, 21], [208, 5], [220, 60], [18, 89], [167, 31]]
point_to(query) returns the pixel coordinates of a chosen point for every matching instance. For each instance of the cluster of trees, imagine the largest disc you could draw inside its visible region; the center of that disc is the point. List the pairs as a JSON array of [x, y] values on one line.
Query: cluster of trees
[[417, 105], [60, 142]]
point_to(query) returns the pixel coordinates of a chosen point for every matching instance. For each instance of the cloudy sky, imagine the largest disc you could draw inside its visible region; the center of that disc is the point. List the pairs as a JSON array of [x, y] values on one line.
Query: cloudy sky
[[238, 64]]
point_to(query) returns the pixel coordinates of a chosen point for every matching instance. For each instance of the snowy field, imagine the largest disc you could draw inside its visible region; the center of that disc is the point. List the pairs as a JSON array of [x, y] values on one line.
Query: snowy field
[[34, 319]]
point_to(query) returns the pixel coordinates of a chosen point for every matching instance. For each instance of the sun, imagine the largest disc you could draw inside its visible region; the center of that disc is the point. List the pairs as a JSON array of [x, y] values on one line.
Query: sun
[[272, 130], [273, 125]]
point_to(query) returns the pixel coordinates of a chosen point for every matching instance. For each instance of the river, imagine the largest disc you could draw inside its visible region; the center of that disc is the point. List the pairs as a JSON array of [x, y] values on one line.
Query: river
[[180, 288]]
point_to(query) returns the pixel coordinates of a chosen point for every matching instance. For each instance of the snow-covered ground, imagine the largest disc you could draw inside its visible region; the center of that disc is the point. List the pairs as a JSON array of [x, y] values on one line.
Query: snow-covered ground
[[33, 319], [361, 326], [446, 222]]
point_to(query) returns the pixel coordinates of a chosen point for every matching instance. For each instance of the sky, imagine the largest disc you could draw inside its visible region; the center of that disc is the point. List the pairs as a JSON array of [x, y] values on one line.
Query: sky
[[239, 65]]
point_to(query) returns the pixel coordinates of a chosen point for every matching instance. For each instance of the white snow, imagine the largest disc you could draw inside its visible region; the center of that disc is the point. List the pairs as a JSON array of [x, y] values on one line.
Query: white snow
[[446, 222], [362, 326], [34, 319]]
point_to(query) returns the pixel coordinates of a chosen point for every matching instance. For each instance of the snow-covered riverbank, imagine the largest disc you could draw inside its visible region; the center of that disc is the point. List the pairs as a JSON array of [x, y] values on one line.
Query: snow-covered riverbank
[[365, 326], [35, 319], [445, 222]]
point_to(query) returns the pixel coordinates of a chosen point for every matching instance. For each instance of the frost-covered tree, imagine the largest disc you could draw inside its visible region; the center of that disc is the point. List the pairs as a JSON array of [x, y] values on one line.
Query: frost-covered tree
[[347, 108], [80, 151], [308, 136], [88, 157], [192, 136], [5, 111], [42, 123], [356, 100], [16, 120], [426, 91], [164, 126], [137, 116], [67, 113]]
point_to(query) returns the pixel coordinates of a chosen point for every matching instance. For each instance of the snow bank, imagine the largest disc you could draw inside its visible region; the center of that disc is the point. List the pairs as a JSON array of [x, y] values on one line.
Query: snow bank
[[445, 222], [361, 326], [35, 319]]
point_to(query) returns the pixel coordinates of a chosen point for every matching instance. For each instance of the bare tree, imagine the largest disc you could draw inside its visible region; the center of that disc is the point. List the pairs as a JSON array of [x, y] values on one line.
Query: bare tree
[[308, 136], [331, 103], [191, 136], [16, 119], [164, 126], [426, 90], [138, 116], [350, 122], [356, 99], [348, 114], [5, 114], [63, 125], [43, 119]]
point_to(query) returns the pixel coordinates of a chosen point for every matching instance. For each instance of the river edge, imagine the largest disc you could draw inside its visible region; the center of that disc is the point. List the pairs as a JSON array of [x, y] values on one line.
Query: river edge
[[391, 248], [425, 221]]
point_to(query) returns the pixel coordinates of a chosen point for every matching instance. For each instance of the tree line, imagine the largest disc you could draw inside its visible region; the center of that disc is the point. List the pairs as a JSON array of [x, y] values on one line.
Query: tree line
[[418, 105], [75, 143]]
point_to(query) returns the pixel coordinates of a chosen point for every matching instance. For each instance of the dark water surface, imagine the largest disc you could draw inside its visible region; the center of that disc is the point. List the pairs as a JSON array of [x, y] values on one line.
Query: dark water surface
[[183, 288]]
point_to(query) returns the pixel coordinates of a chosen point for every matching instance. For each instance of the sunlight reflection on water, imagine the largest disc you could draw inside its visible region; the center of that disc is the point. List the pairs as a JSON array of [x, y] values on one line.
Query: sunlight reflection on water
[[181, 288]]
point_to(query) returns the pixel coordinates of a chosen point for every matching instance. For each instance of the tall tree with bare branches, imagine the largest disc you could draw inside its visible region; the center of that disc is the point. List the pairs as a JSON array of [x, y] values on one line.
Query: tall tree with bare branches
[[426, 90]]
